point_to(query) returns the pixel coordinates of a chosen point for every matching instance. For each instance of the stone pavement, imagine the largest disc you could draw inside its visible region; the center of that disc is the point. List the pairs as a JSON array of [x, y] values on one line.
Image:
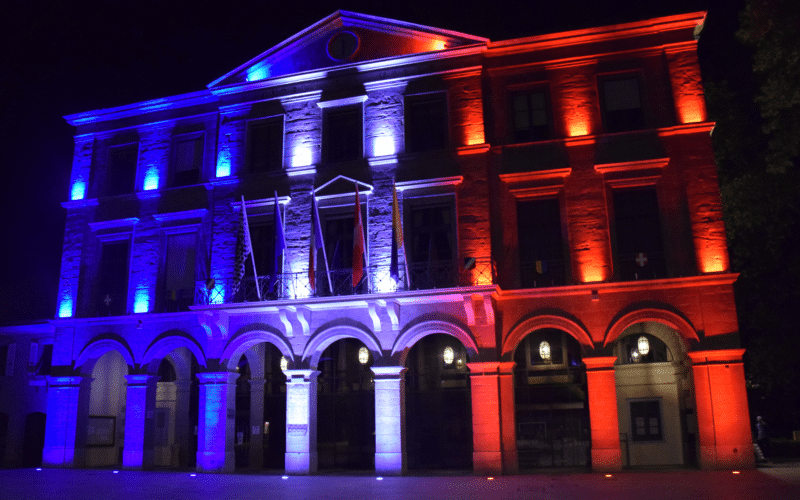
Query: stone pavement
[[67, 484]]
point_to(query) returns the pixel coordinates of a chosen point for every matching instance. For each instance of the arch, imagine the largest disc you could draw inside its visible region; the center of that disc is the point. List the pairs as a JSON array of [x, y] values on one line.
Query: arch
[[321, 340], [242, 342], [539, 322], [168, 343], [668, 318], [97, 348], [410, 337]]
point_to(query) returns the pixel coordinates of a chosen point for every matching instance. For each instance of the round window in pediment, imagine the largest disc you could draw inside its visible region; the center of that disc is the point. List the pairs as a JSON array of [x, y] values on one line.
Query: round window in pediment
[[343, 45]]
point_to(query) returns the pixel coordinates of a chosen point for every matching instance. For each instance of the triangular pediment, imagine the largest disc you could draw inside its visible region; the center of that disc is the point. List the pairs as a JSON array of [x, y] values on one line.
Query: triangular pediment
[[345, 38]]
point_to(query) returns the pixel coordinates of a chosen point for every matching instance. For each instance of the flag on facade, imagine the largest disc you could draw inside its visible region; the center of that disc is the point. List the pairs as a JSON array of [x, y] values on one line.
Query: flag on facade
[[280, 245], [397, 237], [541, 266], [358, 244], [317, 245], [244, 248]]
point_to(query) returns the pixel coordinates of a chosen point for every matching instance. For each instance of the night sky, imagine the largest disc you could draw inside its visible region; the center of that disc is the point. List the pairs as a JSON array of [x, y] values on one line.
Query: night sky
[[65, 57]]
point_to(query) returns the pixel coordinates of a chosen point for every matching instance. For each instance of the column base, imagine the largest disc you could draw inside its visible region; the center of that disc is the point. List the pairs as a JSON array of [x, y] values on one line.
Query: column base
[[389, 464], [58, 457], [216, 461], [487, 462], [301, 463], [726, 457], [606, 460]]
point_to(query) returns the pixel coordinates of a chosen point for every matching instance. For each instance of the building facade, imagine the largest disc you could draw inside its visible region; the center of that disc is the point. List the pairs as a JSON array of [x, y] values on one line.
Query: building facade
[[386, 246]]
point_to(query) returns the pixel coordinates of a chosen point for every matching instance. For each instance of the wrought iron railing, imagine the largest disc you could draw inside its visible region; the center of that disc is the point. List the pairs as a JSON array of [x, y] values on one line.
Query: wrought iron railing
[[284, 286], [542, 274]]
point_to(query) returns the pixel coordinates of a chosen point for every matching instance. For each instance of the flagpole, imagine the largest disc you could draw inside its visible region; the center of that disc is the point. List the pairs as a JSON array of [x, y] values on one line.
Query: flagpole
[[279, 223], [324, 252], [407, 277], [250, 249]]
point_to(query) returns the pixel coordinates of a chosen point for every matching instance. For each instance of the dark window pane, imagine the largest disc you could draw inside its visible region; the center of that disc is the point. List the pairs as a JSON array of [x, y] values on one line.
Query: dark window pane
[[343, 133], [180, 272], [541, 247], [112, 291], [121, 170], [265, 142], [622, 105], [646, 420], [530, 117], [426, 122], [431, 245], [640, 250], [188, 161]]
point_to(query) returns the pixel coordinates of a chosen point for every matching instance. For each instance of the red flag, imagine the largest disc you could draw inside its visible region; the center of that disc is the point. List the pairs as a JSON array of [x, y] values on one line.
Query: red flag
[[358, 244]]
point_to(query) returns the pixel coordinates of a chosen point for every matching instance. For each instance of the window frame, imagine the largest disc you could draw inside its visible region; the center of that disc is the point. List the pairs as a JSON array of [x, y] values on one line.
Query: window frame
[[648, 437], [608, 127], [105, 189], [277, 121], [514, 133], [342, 154], [415, 141], [173, 171]]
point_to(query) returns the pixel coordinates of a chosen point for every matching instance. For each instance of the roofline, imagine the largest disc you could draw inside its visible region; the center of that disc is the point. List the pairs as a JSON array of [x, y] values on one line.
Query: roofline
[[139, 108], [601, 33]]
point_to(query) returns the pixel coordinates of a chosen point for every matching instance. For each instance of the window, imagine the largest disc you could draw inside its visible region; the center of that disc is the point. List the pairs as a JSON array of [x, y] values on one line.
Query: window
[[179, 275], [120, 174], [426, 122], [622, 105], [639, 247], [265, 145], [531, 121], [646, 420], [112, 289], [4, 361], [343, 133], [541, 246], [187, 160], [431, 245]]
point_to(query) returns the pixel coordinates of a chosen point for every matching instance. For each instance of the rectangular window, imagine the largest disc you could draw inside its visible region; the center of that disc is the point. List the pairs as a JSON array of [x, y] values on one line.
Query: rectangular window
[[112, 289], [646, 420], [426, 122], [339, 250], [179, 276], [4, 360], [262, 235], [639, 247], [531, 121], [430, 242], [541, 244], [188, 161], [622, 105], [121, 170], [343, 133], [265, 145]]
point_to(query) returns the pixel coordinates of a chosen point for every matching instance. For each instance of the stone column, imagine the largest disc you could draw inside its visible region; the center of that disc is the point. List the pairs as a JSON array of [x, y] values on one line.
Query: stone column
[[723, 417], [603, 416], [256, 423], [67, 412], [140, 405], [216, 424], [494, 448], [390, 420], [183, 429], [301, 421]]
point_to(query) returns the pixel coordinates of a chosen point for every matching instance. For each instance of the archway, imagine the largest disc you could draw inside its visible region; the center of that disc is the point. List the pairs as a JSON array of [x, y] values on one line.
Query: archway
[[657, 423], [106, 420], [346, 407], [438, 404], [551, 401]]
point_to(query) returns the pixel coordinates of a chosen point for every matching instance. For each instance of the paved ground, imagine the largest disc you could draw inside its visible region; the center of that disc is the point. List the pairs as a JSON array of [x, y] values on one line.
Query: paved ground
[[66, 484]]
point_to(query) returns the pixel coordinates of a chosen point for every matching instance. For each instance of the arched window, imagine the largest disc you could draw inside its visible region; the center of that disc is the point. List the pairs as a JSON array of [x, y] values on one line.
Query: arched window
[[642, 348]]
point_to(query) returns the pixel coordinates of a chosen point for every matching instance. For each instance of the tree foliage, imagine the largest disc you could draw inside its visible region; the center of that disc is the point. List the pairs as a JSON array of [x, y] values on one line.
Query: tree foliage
[[757, 148]]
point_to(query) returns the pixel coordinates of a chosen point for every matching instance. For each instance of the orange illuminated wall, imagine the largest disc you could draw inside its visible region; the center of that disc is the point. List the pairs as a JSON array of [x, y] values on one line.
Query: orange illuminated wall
[[603, 416], [723, 417], [465, 99], [575, 100]]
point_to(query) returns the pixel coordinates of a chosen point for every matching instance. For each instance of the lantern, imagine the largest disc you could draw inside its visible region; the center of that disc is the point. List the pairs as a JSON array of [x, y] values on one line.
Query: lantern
[[643, 345], [544, 351], [363, 355], [448, 355]]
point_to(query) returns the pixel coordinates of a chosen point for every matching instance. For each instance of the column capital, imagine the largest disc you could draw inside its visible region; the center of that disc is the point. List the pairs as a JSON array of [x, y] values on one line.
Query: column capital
[[716, 356], [217, 377], [491, 368], [298, 376], [600, 363], [389, 371], [75, 381], [141, 379]]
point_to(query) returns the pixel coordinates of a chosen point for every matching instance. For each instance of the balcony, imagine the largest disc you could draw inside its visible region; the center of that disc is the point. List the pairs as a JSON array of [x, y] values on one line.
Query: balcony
[[289, 286]]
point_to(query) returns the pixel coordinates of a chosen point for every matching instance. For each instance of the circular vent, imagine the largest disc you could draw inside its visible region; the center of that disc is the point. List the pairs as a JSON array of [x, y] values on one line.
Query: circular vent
[[343, 45]]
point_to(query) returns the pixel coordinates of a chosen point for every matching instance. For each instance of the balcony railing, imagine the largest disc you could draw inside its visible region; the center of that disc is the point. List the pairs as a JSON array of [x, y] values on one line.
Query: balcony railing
[[545, 274], [286, 286]]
